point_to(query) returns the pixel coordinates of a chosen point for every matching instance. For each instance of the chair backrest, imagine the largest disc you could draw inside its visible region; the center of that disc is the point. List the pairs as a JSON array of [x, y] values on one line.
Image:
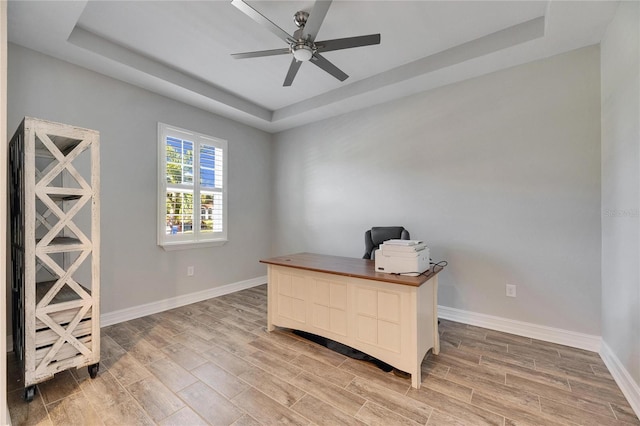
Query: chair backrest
[[378, 235]]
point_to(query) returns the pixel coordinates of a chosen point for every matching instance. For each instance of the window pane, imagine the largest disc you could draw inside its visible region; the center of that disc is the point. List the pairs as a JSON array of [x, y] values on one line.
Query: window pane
[[179, 214], [187, 174], [211, 212], [187, 150], [210, 166], [179, 154]]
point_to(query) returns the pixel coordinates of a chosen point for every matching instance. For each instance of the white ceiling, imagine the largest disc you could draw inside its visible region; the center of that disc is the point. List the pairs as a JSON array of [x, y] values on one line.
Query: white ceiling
[[181, 49]]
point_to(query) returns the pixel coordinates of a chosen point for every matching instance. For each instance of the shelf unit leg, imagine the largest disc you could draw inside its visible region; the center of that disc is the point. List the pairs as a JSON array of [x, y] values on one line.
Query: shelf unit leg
[[93, 370], [29, 393]]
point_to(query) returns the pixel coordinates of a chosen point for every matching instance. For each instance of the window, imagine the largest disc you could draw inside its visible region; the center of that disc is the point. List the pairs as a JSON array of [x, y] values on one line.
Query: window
[[192, 189]]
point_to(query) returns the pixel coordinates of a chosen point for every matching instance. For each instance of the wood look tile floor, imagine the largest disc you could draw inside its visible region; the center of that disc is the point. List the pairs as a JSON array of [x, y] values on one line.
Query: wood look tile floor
[[213, 362]]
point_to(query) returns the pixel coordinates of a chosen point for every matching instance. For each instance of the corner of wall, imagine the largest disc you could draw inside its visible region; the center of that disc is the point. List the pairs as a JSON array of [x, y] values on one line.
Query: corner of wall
[[4, 410], [629, 387], [620, 195]]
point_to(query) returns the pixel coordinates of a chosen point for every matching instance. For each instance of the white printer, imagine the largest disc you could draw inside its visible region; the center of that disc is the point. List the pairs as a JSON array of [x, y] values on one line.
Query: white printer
[[406, 257]]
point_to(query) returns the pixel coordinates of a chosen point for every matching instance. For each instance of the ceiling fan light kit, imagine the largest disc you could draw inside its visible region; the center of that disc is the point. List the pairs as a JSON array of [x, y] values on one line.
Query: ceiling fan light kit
[[302, 44], [302, 52]]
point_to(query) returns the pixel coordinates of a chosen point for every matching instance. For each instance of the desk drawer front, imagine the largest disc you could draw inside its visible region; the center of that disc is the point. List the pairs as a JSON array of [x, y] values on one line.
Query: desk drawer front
[[330, 306], [292, 297], [312, 301], [378, 320]]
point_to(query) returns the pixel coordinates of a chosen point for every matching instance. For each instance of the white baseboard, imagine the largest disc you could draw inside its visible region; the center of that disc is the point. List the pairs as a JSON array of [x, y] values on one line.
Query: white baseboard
[[127, 314], [134, 312], [629, 387], [521, 328]]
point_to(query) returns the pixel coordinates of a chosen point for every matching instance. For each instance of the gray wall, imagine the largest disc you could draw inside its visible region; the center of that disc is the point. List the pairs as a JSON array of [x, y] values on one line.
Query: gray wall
[[621, 187], [135, 270], [500, 175]]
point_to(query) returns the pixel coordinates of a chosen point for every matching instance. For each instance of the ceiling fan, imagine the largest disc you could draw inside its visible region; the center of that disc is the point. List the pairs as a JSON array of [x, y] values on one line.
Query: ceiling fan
[[302, 43]]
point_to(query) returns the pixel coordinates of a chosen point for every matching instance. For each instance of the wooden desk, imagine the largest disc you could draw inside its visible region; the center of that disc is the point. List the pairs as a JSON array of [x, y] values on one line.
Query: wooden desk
[[390, 317]]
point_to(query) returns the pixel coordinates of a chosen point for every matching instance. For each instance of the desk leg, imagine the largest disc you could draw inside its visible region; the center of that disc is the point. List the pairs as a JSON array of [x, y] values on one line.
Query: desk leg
[[270, 326], [416, 377], [270, 299], [436, 335]]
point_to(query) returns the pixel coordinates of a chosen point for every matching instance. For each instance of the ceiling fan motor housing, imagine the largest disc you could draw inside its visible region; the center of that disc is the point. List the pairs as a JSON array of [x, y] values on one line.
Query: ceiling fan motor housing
[[302, 48]]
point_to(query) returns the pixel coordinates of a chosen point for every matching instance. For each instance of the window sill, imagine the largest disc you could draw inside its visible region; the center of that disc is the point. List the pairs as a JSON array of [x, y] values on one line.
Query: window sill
[[187, 245]]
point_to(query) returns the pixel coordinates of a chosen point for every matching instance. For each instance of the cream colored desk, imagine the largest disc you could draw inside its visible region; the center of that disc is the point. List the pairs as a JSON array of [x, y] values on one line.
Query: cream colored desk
[[390, 317]]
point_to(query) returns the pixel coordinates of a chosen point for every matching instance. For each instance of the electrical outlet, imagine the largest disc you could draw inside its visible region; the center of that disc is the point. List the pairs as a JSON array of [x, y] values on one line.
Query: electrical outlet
[[511, 290], [189, 271]]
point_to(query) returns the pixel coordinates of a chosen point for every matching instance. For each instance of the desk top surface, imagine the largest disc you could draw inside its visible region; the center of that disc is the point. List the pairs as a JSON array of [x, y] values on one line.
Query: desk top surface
[[347, 266]]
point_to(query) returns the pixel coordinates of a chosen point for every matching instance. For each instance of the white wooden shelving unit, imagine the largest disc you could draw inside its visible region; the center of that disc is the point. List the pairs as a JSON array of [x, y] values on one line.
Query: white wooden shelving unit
[[55, 239]]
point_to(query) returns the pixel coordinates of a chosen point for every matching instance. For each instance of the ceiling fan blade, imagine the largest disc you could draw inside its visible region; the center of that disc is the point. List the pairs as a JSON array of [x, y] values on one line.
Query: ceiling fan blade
[[261, 53], [260, 19], [347, 43], [323, 63], [293, 70], [316, 17]]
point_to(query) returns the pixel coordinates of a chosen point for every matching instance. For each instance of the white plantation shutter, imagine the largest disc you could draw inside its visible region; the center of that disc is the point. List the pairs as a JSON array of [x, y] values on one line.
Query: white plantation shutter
[[212, 188], [192, 188]]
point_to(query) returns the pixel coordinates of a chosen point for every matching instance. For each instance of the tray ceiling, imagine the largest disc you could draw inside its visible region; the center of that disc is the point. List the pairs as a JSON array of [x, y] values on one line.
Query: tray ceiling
[[181, 49]]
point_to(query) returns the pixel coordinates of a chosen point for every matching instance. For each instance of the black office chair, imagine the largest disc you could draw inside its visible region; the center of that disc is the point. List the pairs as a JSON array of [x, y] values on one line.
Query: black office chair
[[378, 235]]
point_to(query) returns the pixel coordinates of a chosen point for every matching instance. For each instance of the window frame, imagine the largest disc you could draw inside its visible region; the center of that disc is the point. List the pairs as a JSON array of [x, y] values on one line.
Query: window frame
[[197, 239]]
